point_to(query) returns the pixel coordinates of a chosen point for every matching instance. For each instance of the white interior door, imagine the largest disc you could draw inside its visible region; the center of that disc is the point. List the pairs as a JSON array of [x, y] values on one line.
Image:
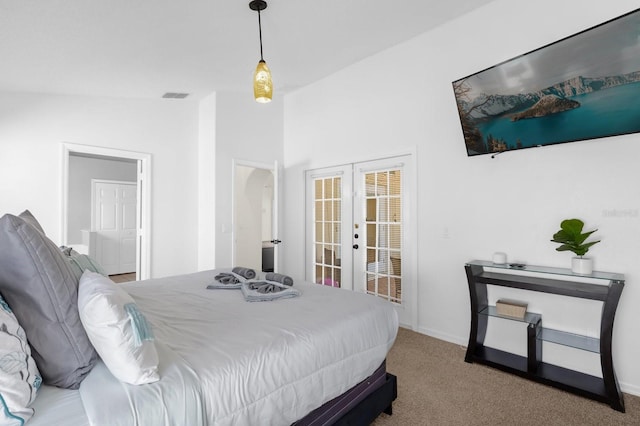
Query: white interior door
[[275, 233], [114, 216], [361, 231], [128, 229]]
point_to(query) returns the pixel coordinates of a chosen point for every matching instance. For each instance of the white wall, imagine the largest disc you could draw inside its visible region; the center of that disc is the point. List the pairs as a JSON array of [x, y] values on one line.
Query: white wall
[[248, 131], [469, 208], [32, 128], [207, 183]]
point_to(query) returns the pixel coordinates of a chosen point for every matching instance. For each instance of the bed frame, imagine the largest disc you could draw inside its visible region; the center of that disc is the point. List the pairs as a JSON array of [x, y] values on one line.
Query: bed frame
[[358, 406]]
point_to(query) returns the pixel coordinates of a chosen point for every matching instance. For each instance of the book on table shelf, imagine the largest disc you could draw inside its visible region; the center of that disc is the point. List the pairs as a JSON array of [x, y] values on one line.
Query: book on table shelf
[[511, 308]]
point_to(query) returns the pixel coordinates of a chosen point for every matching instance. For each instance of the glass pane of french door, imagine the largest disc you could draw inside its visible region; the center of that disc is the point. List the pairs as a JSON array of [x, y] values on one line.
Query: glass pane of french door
[[383, 230], [327, 236]]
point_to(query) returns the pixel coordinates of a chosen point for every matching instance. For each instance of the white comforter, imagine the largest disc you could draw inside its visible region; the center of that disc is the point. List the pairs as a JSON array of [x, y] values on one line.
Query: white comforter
[[225, 361]]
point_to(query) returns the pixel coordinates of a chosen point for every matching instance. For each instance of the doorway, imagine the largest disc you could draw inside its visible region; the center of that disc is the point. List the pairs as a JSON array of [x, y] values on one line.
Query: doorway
[[140, 163], [255, 217], [361, 230]]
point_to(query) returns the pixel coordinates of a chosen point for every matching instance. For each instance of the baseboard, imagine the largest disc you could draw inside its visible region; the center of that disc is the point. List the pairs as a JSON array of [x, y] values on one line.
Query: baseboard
[[630, 389], [443, 336]]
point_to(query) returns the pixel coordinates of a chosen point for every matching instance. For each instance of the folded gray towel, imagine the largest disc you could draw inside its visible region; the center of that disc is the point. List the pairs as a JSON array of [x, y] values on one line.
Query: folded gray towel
[[226, 280], [264, 291], [248, 273], [264, 287], [279, 278]]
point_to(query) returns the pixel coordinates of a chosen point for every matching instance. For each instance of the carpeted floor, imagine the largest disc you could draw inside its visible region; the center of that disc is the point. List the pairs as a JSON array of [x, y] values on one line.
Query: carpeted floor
[[123, 278], [436, 387]]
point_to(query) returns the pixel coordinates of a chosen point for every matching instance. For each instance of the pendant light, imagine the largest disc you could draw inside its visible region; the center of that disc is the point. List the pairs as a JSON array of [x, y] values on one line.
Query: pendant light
[[262, 85]]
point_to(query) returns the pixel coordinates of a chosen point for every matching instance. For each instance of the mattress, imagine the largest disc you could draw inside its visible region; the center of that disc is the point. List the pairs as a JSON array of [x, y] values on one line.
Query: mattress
[[334, 410], [56, 406], [225, 361]]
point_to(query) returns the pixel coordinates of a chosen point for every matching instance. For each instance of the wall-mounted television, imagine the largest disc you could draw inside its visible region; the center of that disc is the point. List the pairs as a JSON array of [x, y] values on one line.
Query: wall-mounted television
[[584, 86]]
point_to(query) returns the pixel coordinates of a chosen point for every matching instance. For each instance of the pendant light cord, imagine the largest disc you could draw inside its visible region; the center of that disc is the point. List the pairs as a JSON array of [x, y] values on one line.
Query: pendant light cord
[[260, 31]]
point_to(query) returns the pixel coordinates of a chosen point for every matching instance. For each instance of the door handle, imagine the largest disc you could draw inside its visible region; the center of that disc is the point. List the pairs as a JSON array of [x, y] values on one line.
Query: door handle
[[276, 241], [355, 246]]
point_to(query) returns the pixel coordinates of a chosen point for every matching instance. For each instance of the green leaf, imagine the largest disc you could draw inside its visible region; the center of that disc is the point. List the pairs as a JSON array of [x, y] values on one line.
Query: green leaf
[[572, 238], [572, 227], [561, 237], [581, 238]]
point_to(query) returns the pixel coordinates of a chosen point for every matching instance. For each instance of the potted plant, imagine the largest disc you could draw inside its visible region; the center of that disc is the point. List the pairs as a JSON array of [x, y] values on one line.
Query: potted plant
[[573, 239]]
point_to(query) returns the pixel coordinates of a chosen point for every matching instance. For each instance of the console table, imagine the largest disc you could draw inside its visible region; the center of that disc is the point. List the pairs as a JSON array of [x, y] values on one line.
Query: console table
[[601, 286]]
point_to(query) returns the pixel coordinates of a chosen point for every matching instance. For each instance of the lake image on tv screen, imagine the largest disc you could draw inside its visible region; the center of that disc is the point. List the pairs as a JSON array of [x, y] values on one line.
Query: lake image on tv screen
[[582, 87], [602, 113]]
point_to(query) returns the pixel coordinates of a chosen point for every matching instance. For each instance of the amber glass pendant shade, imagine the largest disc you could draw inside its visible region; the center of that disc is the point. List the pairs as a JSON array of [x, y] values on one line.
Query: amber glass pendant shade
[[262, 85]]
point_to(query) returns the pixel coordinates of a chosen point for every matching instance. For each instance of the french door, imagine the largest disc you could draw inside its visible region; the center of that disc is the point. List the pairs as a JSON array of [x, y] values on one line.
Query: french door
[[328, 230], [360, 230]]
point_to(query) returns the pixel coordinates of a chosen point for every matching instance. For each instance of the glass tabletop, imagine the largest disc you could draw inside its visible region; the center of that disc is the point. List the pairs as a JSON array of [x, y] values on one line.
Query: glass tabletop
[[547, 270]]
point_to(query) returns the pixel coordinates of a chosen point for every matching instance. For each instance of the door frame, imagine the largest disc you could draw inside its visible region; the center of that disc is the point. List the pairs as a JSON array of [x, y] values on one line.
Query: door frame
[[274, 169], [143, 209]]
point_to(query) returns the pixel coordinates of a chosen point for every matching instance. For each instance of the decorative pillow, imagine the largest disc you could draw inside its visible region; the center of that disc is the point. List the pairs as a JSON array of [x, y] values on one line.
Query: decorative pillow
[[31, 220], [37, 282], [117, 329], [19, 375], [81, 262]]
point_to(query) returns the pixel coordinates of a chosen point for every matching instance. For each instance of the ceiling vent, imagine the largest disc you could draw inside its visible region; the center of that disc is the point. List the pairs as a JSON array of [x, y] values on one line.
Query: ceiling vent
[[172, 95]]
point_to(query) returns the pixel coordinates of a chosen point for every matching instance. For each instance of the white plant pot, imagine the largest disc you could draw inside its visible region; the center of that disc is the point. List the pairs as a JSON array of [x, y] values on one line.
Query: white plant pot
[[582, 265]]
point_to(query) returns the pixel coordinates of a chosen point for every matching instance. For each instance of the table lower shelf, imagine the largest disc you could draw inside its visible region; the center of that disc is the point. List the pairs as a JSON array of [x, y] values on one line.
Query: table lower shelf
[[559, 337], [562, 378]]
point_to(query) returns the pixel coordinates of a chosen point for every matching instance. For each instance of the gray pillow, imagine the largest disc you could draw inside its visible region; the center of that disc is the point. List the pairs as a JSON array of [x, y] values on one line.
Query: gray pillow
[[31, 220], [38, 284]]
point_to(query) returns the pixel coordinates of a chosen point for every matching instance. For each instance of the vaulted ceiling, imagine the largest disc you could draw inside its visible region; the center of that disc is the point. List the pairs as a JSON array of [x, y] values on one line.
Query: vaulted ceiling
[[144, 48]]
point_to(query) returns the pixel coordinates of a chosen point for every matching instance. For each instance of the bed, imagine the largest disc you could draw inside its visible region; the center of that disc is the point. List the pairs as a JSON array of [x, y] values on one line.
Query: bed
[[315, 359]]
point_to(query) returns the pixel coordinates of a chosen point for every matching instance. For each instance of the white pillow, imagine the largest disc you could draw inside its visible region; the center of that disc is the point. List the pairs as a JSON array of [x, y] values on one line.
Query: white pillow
[[118, 331], [19, 375]]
